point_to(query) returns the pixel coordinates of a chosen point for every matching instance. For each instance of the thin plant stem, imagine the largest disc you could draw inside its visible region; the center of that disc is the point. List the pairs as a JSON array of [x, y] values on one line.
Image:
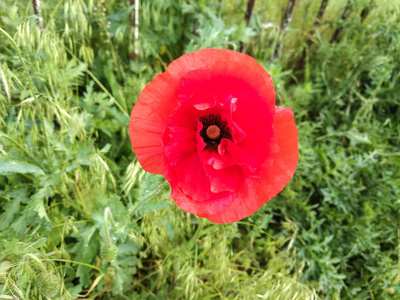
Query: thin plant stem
[[54, 13], [78, 263], [99, 84], [284, 25], [108, 214], [249, 13], [154, 192], [135, 25], [36, 9]]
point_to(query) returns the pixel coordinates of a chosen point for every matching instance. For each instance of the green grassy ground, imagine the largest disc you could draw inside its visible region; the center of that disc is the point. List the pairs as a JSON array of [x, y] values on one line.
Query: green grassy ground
[[66, 92]]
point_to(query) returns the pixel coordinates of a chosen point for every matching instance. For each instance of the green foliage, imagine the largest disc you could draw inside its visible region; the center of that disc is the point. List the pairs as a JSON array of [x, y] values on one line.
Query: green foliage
[[70, 183], [48, 285], [4, 268], [8, 167]]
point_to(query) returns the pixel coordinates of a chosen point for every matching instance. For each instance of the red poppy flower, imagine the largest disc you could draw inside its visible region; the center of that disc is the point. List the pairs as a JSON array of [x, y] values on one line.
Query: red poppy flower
[[210, 126]]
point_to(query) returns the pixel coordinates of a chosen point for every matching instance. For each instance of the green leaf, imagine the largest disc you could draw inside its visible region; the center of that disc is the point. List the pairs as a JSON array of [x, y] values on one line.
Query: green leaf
[[10, 210], [86, 252], [85, 255], [8, 167], [36, 202]]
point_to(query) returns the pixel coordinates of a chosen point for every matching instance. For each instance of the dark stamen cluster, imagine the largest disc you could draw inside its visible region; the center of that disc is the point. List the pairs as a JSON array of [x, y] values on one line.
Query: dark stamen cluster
[[212, 137]]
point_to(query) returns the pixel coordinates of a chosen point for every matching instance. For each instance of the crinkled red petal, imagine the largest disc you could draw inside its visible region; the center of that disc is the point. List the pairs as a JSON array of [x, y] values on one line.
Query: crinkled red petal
[[158, 101], [207, 205], [277, 171], [181, 143]]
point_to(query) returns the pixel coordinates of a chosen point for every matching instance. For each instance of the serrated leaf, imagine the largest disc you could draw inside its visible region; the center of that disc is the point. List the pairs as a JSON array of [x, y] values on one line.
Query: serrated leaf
[[128, 249], [10, 210], [36, 202], [8, 167], [124, 274], [85, 255], [20, 225]]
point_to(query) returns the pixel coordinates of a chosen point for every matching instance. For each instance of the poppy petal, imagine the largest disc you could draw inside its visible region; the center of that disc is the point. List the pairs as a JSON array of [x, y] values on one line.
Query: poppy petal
[[209, 205], [276, 173], [148, 121], [181, 143], [256, 155]]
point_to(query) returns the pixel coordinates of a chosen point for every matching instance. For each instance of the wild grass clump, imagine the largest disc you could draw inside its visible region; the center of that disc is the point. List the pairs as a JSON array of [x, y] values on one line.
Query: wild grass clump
[[71, 188]]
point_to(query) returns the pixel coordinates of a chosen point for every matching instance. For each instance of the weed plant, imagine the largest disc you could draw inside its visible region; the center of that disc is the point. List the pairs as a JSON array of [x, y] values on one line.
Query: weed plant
[[80, 218]]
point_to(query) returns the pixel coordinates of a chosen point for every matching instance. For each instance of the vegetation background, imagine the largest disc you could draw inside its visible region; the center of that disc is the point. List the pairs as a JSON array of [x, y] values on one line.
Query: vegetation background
[[70, 73]]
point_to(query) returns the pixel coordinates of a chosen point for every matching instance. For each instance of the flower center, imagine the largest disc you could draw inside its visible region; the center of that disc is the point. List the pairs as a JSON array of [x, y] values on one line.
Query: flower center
[[213, 131]]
